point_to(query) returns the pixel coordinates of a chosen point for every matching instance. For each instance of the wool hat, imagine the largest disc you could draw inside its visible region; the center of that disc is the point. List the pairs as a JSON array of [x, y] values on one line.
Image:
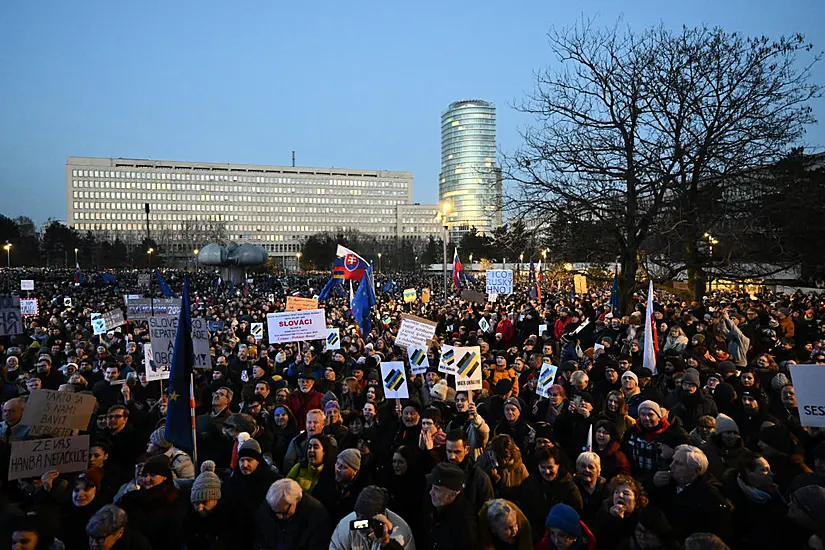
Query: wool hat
[[811, 499], [691, 377], [412, 403], [446, 475], [564, 517], [631, 374], [644, 372], [778, 437], [726, 367], [158, 465], [249, 448], [332, 404], [514, 401], [158, 438], [439, 390], [652, 405], [779, 381], [724, 423], [207, 485], [351, 457], [371, 501]]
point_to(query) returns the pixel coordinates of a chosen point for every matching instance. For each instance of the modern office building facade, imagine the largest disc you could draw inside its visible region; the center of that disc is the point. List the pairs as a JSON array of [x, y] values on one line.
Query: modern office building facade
[[470, 181], [276, 207], [418, 220]]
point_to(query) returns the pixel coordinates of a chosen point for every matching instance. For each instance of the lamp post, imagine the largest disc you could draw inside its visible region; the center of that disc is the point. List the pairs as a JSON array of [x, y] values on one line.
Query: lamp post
[[379, 262], [471, 262], [298, 257], [445, 209], [520, 264], [75, 257], [7, 248], [149, 254], [195, 255]]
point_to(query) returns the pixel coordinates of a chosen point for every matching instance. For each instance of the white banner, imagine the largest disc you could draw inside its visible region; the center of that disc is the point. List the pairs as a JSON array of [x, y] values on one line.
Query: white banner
[[32, 459], [415, 331], [499, 281], [162, 331], [200, 343], [809, 385], [547, 376], [395, 380], [294, 326], [26, 284], [29, 306]]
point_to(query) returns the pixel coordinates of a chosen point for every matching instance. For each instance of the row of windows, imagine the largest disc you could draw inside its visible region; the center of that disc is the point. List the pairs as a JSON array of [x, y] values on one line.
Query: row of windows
[[371, 204], [223, 198], [246, 179], [246, 190]]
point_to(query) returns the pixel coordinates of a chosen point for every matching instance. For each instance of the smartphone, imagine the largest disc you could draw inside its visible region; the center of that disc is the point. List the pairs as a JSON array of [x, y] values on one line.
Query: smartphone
[[359, 525], [577, 400]]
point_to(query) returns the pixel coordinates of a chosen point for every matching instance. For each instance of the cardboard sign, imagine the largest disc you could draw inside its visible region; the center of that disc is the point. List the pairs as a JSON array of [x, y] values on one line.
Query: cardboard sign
[[11, 321], [257, 330], [98, 324], [415, 331], [425, 295], [294, 303], [200, 344], [809, 385], [468, 372], [26, 284], [114, 318], [499, 281], [491, 298], [333, 340], [469, 295], [418, 360], [394, 380], [67, 302], [580, 284], [32, 459], [144, 280], [294, 326], [162, 332], [153, 370], [29, 306], [460, 360], [547, 377], [143, 308], [410, 295], [52, 409]]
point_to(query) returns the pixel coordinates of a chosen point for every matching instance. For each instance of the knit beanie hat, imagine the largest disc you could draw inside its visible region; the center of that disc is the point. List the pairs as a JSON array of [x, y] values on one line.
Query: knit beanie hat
[[779, 381], [351, 457], [724, 423], [811, 498], [652, 405], [778, 437], [158, 465], [372, 501], [248, 447], [439, 390], [158, 438], [514, 401], [207, 485], [332, 404], [564, 517], [691, 377], [631, 374]]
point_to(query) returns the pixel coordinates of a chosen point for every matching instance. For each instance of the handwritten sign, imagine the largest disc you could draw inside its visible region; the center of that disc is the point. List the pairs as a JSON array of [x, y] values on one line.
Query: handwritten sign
[[294, 326], [144, 280], [11, 321], [395, 380], [162, 331], [415, 331], [32, 459], [410, 295], [499, 281], [113, 318], [28, 306], [425, 295], [52, 409], [26, 284], [200, 344], [580, 284], [295, 303], [808, 381]]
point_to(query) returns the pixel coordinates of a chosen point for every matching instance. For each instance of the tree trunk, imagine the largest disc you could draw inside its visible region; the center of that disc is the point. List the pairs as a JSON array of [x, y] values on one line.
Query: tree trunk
[[697, 279], [627, 282]]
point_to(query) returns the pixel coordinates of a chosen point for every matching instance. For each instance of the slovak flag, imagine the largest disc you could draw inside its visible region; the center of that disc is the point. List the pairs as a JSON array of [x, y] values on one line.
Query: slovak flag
[[348, 265], [457, 270], [651, 349]]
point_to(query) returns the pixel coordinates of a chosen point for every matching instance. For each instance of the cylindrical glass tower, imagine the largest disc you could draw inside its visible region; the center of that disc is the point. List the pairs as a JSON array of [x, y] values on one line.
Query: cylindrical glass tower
[[470, 181]]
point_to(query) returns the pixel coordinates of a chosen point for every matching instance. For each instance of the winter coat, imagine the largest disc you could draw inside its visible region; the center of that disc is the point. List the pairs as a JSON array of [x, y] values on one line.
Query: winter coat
[[691, 406], [243, 494], [490, 541], [737, 343], [522, 433], [453, 527], [754, 513], [592, 501], [213, 532], [610, 530], [721, 458], [158, 514], [345, 539], [698, 508], [614, 461], [642, 446], [477, 430], [536, 497], [309, 528]]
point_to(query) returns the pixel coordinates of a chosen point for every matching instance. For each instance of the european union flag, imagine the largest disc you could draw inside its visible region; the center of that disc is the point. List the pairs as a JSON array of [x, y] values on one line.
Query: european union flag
[[363, 300], [108, 278], [163, 286], [180, 413], [615, 299]]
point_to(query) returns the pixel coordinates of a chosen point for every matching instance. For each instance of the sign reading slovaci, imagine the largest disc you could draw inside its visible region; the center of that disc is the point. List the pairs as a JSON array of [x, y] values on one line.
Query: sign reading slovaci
[[50, 409], [294, 326], [499, 281], [36, 457], [415, 332], [809, 386]]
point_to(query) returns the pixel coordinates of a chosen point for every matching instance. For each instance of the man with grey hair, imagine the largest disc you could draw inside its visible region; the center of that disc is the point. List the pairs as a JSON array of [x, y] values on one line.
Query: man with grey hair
[[291, 518], [690, 497], [10, 428], [109, 528]]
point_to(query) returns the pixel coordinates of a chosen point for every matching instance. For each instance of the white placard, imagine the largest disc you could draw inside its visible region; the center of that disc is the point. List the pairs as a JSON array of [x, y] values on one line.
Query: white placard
[[394, 380], [455, 359], [114, 318], [468, 371], [26, 284], [542, 329], [29, 306], [32, 459], [67, 301], [499, 281], [418, 359], [294, 326], [257, 330], [200, 343], [415, 331], [333, 340], [52, 409], [162, 331], [98, 324], [809, 385], [484, 324], [491, 298], [547, 376], [153, 371]]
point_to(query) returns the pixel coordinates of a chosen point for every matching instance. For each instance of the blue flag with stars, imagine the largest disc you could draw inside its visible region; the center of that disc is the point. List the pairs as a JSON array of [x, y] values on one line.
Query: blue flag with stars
[[179, 417]]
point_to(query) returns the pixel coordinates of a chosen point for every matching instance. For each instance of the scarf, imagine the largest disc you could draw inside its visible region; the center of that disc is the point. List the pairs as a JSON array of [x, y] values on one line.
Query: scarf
[[752, 493]]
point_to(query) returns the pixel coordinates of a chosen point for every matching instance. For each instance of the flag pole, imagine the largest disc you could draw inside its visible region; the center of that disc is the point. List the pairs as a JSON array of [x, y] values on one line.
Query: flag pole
[[192, 414]]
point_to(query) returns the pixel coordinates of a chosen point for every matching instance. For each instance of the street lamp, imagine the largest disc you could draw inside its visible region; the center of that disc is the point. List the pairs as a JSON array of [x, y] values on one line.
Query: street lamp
[[149, 254], [379, 262], [520, 263], [711, 241], [75, 257], [7, 248], [298, 257], [471, 262], [445, 209]]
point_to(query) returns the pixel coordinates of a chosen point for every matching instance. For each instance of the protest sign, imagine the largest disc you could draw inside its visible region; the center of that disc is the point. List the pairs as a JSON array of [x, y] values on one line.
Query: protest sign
[[418, 360], [468, 370], [10, 319], [128, 297], [98, 324], [394, 380], [294, 326], [542, 329], [257, 330], [808, 383], [200, 344], [143, 308], [153, 370], [484, 324], [425, 295], [333, 340], [32, 459], [455, 359], [580, 284], [215, 326], [67, 301], [144, 280], [491, 298], [113, 318], [547, 377], [52, 409], [29, 306], [295, 303], [474, 296], [410, 295], [499, 281], [26, 284], [162, 331], [415, 331]]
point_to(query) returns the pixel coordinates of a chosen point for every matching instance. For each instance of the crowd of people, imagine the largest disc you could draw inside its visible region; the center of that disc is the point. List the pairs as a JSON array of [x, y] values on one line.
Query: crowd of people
[[298, 448]]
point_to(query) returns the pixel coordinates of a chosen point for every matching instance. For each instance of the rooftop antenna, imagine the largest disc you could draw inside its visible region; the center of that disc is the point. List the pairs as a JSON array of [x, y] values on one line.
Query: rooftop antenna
[[293, 159]]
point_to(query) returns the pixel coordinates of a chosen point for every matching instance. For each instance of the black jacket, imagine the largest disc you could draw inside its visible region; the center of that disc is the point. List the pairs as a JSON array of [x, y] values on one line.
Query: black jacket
[[535, 497], [698, 508], [158, 514], [453, 527], [309, 528]]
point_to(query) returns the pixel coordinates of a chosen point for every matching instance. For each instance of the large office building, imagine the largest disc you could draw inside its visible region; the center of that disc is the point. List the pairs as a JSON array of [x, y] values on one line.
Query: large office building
[[470, 181], [276, 207]]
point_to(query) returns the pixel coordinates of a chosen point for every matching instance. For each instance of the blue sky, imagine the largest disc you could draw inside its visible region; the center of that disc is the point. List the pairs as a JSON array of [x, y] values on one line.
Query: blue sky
[[348, 84]]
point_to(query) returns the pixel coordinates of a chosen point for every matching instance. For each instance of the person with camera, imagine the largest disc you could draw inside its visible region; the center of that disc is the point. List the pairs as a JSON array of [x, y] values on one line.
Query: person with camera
[[372, 525]]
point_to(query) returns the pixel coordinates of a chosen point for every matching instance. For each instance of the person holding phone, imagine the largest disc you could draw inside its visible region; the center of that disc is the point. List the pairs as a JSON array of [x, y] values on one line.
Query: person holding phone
[[372, 525]]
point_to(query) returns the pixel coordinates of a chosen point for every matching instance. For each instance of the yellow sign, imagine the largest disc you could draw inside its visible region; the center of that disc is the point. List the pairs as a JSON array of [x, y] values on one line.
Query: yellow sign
[[580, 284], [425, 295], [410, 295], [294, 303]]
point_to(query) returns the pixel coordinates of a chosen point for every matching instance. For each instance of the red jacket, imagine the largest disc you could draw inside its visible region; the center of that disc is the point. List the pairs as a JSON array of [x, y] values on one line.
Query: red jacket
[[505, 327], [301, 403]]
